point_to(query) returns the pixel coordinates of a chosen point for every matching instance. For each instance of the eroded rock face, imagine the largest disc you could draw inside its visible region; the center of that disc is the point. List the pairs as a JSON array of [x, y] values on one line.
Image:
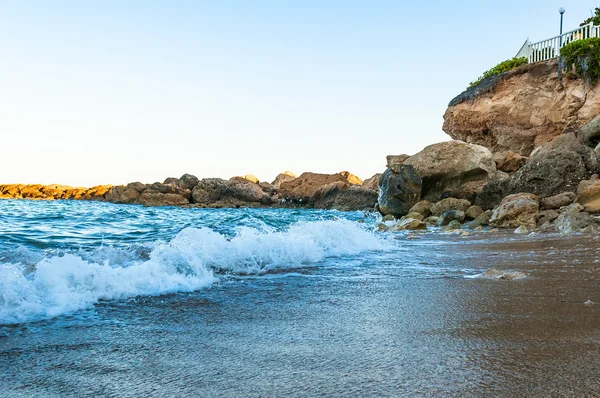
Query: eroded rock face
[[516, 210], [554, 168], [399, 190], [453, 168], [522, 109]]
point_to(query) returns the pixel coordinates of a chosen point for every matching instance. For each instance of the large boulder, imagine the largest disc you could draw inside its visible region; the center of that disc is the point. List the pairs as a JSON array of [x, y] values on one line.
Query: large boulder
[[554, 168], [96, 193], [588, 195], [423, 207], [125, 194], [508, 161], [54, 191], [516, 210], [216, 192], [573, 219], [446, 204], [399, 190], [155, 198], [372, 183], [395, 159], [302, 188], [557, 201], [247, 177], [341, 196], [75, 193], [286, 176], [589, 134], [32, 191], [454, 167], [449, 216], [11, 190]]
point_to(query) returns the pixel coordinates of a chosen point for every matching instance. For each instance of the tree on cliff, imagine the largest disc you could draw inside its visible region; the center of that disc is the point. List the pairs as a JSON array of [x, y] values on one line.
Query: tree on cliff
[[595, 18]]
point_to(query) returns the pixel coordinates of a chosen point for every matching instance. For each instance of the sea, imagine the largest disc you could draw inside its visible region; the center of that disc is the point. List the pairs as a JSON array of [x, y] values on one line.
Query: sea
[[105, 300]]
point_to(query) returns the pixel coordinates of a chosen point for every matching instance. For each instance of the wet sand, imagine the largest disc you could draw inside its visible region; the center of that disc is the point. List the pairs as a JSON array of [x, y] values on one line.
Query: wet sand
[[402, 323]]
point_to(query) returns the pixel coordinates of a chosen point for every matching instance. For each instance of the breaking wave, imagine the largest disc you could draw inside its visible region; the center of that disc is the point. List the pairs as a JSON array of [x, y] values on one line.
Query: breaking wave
[[35, 287]]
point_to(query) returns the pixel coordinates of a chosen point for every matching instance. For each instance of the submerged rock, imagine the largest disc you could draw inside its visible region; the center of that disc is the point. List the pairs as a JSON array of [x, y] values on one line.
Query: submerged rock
[[521, 230], [493, 273], [452, 225]]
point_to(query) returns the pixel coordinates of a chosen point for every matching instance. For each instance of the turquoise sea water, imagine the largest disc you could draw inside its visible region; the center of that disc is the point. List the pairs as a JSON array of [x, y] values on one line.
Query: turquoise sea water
[[106, 300]]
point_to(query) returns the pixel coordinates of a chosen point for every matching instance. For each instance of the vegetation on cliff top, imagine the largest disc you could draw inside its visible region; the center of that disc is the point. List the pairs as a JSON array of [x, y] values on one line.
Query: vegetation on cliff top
[[502, 67], [584, 57], [595, 18]]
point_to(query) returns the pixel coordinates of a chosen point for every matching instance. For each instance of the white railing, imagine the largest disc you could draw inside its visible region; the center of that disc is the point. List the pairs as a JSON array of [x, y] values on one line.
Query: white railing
[[550, 48]]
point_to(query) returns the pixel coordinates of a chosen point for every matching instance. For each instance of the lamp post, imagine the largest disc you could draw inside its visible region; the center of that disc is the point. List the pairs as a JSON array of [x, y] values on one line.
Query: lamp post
[[561, 10]]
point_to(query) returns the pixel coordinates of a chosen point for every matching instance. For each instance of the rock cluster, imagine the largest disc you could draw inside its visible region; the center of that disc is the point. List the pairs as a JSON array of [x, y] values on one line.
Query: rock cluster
[[38, 191], [343, 191]]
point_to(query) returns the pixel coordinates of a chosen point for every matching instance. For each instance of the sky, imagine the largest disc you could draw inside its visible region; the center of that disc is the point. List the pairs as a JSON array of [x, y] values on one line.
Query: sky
[[110, 92]]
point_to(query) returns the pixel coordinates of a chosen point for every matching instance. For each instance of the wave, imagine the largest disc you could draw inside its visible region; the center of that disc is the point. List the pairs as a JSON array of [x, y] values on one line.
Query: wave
[[34, 287]]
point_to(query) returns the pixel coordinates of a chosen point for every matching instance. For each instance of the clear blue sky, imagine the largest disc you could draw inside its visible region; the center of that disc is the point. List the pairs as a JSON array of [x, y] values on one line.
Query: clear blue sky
[[117, 91]]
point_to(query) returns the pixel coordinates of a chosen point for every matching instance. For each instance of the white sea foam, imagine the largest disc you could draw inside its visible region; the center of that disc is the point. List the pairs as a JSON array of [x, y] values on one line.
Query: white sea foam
[[66, 283]]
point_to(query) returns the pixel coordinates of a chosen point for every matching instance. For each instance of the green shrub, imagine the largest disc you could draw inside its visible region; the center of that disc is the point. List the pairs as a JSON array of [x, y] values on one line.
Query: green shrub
[[502, 67], [584, 55], [595, 18]]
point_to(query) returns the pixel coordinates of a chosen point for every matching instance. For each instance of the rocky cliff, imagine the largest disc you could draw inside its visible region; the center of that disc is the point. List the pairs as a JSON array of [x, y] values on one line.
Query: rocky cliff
[[522, 109]]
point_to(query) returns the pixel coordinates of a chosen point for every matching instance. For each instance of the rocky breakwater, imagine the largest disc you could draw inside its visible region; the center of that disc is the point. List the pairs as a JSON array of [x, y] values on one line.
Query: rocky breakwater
[[51, 192], [342, 191]]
